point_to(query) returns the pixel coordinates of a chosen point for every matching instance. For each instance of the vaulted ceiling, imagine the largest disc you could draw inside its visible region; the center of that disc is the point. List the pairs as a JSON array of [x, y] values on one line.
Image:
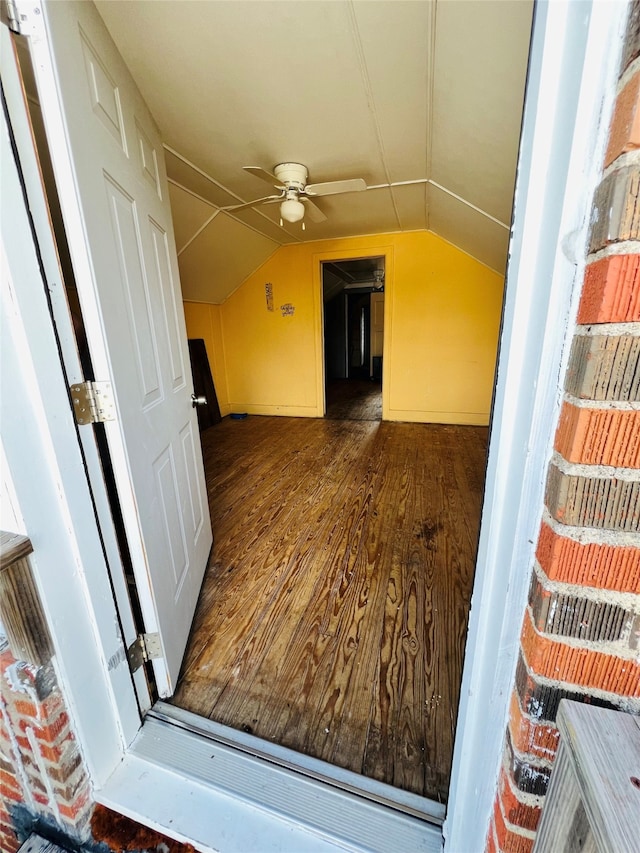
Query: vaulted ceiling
[[422, 99]]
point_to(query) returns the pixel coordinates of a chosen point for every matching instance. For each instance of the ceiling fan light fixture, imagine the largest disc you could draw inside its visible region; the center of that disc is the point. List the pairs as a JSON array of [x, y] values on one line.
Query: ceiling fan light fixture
[[292, 210]]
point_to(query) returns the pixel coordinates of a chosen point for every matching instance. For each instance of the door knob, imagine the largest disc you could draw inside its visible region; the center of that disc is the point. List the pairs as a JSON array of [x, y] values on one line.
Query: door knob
[[198, 401]]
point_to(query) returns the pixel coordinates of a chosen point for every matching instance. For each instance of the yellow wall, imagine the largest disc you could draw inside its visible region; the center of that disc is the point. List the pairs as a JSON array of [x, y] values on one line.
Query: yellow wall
[[204, 321], [442, 316], [444, 322]]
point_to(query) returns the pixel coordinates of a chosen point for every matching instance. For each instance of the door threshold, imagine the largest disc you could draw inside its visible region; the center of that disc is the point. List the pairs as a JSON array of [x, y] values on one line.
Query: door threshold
[[304, 765], [195, 787]]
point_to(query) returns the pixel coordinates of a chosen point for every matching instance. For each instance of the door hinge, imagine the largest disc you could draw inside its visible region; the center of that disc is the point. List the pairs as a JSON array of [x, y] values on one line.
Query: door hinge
[[23, 17], [93, 402], [13, 17], [145, 647]]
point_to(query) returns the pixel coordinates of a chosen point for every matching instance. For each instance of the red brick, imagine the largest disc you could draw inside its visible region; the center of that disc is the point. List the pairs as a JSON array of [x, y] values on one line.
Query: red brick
[[10, 787], [599, 436], [6, 659], [604, 503], [491, 845], [51, 706], [50, 732], [62, 770], [5, 721], [517, 813], [616, 212], [625, 126], [39, 714], [12, 795], [598, 566], [24, 707], [8, 839], [51, 753], [529, 736], [35, 782], [555, 660], [68, 790], [23, 743], [611, 291], [73, 810], [509, 840], [570, 614]]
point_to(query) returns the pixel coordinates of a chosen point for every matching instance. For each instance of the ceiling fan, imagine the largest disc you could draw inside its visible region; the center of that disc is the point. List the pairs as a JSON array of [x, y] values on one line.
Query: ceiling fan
[[290, 179]]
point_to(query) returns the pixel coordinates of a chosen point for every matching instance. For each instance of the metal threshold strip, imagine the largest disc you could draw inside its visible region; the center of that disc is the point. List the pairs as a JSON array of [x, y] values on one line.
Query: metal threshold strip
[[326, 775]]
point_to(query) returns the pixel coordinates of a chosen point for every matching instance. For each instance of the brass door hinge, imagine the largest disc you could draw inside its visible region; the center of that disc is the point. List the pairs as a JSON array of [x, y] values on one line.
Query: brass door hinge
[[93, 402], [145, 647]]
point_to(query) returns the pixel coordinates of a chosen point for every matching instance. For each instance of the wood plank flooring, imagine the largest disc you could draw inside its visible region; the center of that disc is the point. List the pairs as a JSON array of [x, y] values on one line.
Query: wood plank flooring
[[333, 615], [354, 399]]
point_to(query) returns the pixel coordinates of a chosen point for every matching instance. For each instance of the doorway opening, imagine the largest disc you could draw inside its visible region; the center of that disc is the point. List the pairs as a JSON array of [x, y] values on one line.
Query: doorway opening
[[388, 551], [353, 306], [332, 617]]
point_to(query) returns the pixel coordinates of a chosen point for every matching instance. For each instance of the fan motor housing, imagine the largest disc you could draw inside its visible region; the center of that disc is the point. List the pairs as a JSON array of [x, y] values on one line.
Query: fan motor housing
[[292, 175]]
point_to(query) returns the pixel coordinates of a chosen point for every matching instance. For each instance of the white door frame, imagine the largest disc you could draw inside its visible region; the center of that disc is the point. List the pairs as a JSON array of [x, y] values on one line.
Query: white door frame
[[550, 224], [320, 258], [575, 53]]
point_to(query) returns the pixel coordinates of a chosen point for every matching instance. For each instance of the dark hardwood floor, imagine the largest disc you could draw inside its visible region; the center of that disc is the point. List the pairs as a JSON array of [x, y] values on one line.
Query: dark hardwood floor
[[333, 614], [354, 400]]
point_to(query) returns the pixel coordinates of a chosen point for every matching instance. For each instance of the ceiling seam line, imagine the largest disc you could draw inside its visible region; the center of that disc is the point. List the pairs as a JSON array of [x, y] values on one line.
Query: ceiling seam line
[[254, 229], [427, 181], [224, 189], [430, 88], [430, 83], [199, 170], [191, 192], [469, 204], [399, 184], [198, 232], [355, 32], [220, 210]]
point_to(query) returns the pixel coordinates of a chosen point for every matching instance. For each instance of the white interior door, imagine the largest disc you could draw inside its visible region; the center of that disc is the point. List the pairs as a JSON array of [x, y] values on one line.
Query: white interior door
[[109, 164]]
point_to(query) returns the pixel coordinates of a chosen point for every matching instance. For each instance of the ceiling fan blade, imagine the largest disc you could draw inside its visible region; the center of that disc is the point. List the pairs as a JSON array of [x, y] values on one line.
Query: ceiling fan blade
[[354, 185], [315, 214], [263, 175], [269, 199]]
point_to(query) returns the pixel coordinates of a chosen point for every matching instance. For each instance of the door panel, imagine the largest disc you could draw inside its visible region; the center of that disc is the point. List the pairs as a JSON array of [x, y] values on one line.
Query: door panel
[[377, 326], [116, 210]]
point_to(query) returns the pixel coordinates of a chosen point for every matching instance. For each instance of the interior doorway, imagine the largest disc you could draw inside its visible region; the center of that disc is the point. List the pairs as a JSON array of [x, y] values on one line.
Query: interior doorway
[[353, 329]]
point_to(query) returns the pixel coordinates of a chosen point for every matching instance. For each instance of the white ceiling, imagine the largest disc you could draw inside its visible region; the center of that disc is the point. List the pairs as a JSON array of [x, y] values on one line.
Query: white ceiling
[[391, 91]]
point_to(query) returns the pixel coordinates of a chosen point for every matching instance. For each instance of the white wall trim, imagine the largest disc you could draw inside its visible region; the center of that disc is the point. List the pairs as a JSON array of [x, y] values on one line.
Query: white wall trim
[[574, 58]]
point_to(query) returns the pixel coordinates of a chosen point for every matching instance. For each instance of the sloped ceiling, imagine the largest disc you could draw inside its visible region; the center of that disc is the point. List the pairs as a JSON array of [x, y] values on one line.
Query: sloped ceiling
[[422, 99]]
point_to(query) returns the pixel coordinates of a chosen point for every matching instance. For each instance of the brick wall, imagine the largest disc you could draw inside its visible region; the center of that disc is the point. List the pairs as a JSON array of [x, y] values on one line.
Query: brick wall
[[581, 629], [44, 781], [44, 785]]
